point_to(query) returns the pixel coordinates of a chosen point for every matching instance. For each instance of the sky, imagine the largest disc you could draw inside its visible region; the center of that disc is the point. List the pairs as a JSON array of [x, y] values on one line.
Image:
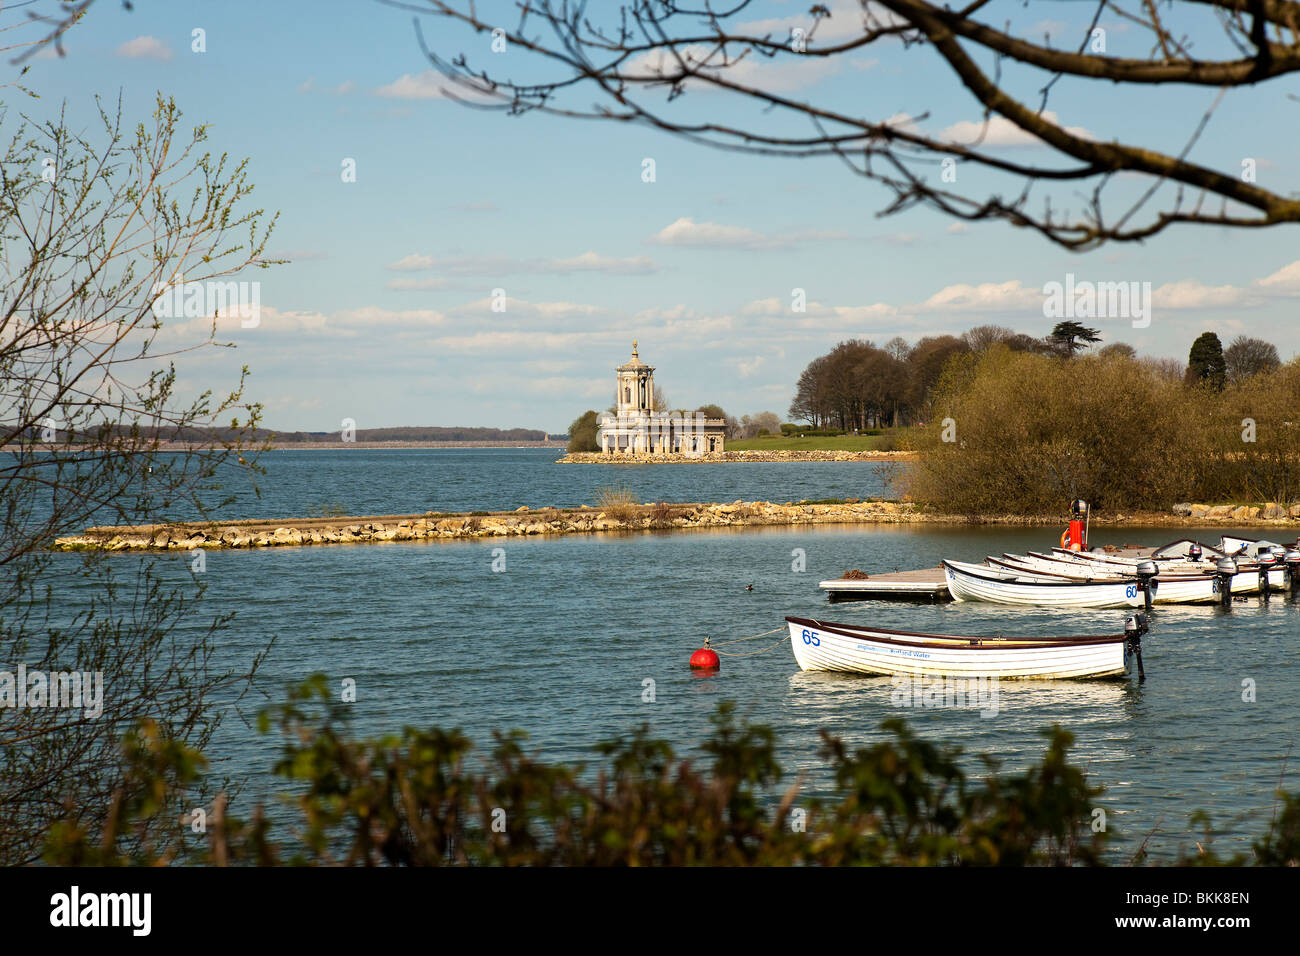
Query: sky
[[384, 313]]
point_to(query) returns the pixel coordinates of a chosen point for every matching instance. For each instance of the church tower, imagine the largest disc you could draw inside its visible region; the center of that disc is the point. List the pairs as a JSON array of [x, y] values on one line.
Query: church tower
[[636, 386]]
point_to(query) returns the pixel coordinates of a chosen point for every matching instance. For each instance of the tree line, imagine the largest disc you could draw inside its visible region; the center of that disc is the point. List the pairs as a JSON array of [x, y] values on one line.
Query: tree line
[[859, 385], [1025, 433]]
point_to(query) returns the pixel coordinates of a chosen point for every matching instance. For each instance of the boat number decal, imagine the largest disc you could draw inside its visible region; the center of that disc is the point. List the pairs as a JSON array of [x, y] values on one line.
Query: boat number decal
[[1214, 586], [1132, 591], [810, 637]]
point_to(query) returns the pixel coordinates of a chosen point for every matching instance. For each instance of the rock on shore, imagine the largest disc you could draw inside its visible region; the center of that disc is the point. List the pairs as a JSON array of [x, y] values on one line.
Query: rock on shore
[[522, 522], [630, 517]]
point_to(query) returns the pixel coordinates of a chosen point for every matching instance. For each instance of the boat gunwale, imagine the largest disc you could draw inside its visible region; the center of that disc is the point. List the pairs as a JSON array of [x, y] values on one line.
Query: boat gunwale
[[1243, 566], [1160, 575], [1002, 643], [1001, 577]]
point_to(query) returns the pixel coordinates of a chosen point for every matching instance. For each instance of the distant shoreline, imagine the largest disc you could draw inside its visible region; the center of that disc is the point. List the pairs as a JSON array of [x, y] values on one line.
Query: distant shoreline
[[182, 446], [327, 445]]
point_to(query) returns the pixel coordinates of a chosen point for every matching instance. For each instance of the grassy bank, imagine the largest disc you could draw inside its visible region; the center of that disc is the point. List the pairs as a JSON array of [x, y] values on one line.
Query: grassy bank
[[889, 440]]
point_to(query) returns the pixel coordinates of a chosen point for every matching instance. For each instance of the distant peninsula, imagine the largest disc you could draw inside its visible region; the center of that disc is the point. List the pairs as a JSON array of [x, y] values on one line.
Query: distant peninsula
[[417, 436]]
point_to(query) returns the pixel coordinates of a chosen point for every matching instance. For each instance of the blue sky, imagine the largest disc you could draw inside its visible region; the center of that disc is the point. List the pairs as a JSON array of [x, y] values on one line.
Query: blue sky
[[383, 315]]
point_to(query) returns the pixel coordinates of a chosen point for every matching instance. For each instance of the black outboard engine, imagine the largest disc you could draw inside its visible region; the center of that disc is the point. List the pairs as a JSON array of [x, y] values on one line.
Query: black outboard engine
[[1225, 569], [1146, 572], [1194, 553], [1292, 563], [1266, 564], [1134, 628]]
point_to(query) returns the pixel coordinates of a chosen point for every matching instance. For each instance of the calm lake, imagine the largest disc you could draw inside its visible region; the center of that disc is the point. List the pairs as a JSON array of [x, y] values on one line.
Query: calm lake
[[561, 642]]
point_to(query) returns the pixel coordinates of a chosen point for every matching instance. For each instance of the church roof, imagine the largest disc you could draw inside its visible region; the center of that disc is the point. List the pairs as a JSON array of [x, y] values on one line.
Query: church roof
[[634, 362]]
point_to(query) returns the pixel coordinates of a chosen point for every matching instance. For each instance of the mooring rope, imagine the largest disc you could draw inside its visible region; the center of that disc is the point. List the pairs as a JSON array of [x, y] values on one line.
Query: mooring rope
[[752, 653], [752, 637]]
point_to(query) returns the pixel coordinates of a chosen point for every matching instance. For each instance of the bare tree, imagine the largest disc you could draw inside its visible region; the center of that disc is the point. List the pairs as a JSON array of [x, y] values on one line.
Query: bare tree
[[981, 338], [1246, 357], [92, 430], [1117, 350], [641, 58]]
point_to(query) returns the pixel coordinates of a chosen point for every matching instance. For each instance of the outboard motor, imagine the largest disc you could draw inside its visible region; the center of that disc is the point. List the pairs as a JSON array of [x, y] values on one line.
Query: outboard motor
[[1134, 628], [1146, 572], [1225, 569], [1292, 562], [1266, 564], [1194, 553]]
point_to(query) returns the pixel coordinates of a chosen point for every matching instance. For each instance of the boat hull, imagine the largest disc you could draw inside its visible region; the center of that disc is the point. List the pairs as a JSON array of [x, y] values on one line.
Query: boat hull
[[972, 583], [819, 646]]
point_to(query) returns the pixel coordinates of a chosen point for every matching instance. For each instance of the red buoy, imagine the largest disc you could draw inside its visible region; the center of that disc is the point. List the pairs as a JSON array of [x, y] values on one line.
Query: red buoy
[[705, 659]]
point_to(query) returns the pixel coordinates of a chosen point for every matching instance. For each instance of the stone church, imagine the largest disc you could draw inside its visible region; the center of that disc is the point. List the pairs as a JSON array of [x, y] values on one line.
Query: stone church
[[638, 428]]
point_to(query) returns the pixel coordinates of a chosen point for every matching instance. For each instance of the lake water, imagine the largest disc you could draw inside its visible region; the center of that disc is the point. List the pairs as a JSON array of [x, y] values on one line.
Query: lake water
[[562, 640], [407, 481]]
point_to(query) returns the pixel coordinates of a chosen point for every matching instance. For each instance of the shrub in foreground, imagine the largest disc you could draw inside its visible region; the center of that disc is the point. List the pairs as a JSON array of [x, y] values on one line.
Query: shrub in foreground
[[411, 799]]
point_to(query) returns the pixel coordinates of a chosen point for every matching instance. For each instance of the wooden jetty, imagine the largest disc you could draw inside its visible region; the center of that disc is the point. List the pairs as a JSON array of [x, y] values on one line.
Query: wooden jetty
[[925, 584]]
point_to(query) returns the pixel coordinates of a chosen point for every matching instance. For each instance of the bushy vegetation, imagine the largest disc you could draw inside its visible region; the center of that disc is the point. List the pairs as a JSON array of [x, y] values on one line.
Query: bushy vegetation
[[583, 432], [1021, 433], [617, 501], [412, 799]]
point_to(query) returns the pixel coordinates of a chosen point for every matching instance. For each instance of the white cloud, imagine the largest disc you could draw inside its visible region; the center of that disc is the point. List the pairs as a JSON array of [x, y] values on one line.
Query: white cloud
[[1285, 281], [431, 85], [145, 48], [1000, 131], [1011, 295], [844, 23], [412, 263], [746, 367], [777, 313], [1192, 294], [780, 74], [687, 232]]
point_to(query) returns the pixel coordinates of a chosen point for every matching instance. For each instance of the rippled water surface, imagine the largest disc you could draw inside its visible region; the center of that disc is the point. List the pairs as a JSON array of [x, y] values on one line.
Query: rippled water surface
[[561, 642], [405, 481]]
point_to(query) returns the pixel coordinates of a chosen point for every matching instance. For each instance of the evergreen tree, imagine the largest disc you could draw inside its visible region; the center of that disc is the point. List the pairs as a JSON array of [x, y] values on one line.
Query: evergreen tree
[[1069, 337], [1205, 362]]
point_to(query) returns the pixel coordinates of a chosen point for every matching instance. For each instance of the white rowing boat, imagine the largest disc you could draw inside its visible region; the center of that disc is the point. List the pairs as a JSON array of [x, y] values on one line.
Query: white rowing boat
[[849, 648], [1251, 548], [1172, 588], [974, 582], [1245, 581]]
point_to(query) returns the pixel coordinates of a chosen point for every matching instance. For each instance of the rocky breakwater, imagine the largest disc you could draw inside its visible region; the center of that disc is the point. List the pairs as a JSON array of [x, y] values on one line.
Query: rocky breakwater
[[749, 454], [1269, 512], [520, 523]]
